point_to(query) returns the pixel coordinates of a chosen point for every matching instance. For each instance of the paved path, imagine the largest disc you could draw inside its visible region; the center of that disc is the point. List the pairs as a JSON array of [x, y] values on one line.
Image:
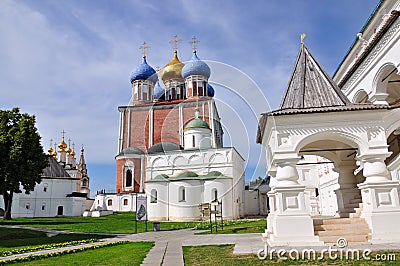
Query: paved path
[[168, 244]]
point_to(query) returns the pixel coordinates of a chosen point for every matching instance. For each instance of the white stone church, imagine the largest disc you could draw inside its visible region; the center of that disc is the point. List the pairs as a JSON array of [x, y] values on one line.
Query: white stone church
[[332, 147], [63, 191]]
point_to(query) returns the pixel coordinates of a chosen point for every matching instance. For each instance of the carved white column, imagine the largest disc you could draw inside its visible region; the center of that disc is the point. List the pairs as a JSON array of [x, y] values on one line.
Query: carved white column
[[380, 196], [347, 190], [291, 223]]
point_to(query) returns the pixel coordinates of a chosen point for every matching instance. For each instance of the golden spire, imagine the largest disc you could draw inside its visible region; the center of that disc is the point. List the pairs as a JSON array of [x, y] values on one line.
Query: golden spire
[[55, 151], [302, 37], [194, 42], [69, 147], [50, 150], [175, 42], [73, 150], [62, 145], [144, 48], [197, 109]]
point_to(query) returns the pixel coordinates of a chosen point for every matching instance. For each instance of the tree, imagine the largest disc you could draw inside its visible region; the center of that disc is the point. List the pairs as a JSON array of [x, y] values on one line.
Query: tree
[[22, 159]]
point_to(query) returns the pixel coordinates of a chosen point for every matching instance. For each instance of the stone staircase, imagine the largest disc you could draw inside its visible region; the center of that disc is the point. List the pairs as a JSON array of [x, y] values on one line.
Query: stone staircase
[[349, 225], [353, 208]]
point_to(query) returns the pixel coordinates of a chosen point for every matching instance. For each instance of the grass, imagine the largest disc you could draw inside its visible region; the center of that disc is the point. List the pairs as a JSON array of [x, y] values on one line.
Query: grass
[[125, 254], [122, 223], [222, 255], [239, 227], [12, 238]]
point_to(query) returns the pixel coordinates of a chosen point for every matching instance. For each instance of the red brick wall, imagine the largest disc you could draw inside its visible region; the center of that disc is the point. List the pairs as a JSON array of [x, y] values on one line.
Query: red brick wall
[[119, 174], [166, 125]]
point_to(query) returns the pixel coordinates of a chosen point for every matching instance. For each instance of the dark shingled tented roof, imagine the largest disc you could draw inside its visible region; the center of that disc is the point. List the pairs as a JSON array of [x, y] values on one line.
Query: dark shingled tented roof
[[310, 86], [54, 169], [312, 90]]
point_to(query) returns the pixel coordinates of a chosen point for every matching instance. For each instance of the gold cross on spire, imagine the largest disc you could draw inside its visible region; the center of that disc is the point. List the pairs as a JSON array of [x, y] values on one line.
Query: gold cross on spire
[[175, 42], [302, 37], [51, 142], [62, 134], [144, 47], [194, 42]]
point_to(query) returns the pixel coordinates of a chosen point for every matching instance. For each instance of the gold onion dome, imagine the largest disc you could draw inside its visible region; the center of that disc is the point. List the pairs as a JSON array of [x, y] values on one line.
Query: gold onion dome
[[72, 153], [50, 151], [172, 70], [62, 145]]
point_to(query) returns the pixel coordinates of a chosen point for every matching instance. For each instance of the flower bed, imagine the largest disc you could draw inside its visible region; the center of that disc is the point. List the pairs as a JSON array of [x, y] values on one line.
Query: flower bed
[[47, 246], [59, 253]]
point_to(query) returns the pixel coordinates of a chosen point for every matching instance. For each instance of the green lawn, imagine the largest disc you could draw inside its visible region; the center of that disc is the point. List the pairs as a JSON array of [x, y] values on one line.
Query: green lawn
[[11, 238], [122, 223], [124, 254], [238, 227], [222, 255]]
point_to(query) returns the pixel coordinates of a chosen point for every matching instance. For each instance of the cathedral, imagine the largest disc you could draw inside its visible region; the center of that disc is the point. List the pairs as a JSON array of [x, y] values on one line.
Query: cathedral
[[170, 145], [63, 191]]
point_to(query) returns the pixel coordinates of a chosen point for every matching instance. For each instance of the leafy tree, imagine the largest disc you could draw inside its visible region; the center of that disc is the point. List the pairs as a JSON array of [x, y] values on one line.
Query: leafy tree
[[22, 159]]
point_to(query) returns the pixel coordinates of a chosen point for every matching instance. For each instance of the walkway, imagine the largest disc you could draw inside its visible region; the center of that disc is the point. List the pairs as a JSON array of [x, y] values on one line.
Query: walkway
[[168, 244]]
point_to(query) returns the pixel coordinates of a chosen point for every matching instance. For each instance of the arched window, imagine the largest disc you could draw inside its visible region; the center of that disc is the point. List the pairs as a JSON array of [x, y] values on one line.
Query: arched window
[[43, 206], [109, 202], [128, 178], [182, 194], [125, 202], [153, 196]]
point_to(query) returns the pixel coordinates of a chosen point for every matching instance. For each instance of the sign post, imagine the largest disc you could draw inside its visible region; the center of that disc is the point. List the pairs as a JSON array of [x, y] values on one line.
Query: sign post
[[141, 210]]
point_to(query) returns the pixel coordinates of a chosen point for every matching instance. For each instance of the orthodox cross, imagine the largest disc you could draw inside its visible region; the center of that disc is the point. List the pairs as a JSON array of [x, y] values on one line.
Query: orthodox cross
[[194, 42], [144, 47], [63, 133], [175, 42]]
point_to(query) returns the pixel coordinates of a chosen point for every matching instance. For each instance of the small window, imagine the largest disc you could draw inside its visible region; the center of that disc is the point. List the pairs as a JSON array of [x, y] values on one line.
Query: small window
[[109, 202], [128, 178], [153, 196], [214, 194], [43, 206], [193, 141], [125, 202], [182, 194], [27, 206], [45, 189]]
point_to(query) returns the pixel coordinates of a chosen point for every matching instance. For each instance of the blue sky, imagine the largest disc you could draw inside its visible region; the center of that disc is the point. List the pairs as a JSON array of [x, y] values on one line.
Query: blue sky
[[68, 62]]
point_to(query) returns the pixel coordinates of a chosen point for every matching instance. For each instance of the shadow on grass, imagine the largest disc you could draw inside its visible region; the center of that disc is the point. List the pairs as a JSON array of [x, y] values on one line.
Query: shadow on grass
[[16, 237]]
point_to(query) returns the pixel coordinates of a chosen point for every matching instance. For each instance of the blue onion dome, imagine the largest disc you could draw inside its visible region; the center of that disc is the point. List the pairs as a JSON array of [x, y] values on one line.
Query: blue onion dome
[[158, 91], [196, 67], [210, 90], [143, 72]]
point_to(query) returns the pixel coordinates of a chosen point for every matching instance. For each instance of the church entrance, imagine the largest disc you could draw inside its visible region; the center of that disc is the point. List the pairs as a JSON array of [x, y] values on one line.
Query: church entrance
[[60, 210]]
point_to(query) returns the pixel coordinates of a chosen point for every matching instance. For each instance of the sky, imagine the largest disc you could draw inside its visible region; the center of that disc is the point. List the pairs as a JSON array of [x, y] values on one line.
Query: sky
[[69, 62]]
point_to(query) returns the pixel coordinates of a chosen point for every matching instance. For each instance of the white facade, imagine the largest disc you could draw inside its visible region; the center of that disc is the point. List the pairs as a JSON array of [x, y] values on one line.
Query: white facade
[[118, 202], [183, 180], [56, 195]]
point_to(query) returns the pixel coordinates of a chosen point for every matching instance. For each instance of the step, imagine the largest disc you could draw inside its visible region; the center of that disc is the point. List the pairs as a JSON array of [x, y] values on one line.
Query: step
[[355, 201], [352, 205], [339, 221], [354, 227], [349, 238], [343, 232], [357, 196]]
